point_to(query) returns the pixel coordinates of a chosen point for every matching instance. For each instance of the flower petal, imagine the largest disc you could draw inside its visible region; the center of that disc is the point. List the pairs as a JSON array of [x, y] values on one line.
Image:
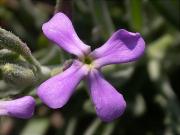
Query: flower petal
[[56, 91], [60, 30], [123, 46], [108, 102], [20, 108]]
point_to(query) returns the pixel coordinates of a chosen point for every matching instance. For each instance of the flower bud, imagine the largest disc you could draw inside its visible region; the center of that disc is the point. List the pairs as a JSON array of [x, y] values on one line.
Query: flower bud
[[12, 42], [9, 41], [17, 75], [20, 108], [7, 56]]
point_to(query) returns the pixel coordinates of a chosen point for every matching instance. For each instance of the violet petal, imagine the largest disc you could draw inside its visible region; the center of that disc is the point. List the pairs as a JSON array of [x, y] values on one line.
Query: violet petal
[[60, 30], [20, 108], [109, 104], [56, 91], [123, 46]]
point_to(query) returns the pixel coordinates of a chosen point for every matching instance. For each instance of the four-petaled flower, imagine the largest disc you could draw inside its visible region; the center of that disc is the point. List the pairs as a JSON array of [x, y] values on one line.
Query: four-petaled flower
[[123, 46], [20, 108]]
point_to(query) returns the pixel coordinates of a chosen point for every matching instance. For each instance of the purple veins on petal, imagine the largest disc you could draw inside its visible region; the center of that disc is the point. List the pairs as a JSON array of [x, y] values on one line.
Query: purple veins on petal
[[20, 108], [60, 30], [123, 46], [109, 104], [56, 91]]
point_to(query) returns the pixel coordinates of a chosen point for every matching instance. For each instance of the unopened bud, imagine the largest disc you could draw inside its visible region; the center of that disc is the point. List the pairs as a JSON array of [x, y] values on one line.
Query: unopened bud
[[17, 75], [7, 56], [10, 41]]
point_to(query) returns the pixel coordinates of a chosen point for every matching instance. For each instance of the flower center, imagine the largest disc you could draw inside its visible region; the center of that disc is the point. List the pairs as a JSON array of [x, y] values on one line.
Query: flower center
[[88, 60]]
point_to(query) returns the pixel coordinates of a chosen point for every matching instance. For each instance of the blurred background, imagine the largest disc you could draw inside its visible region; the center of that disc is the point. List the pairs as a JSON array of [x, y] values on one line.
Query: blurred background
[[151, 86]]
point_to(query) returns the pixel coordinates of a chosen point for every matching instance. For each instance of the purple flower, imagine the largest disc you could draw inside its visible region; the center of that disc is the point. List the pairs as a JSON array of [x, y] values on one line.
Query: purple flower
[[20, 108], [123, 46]]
